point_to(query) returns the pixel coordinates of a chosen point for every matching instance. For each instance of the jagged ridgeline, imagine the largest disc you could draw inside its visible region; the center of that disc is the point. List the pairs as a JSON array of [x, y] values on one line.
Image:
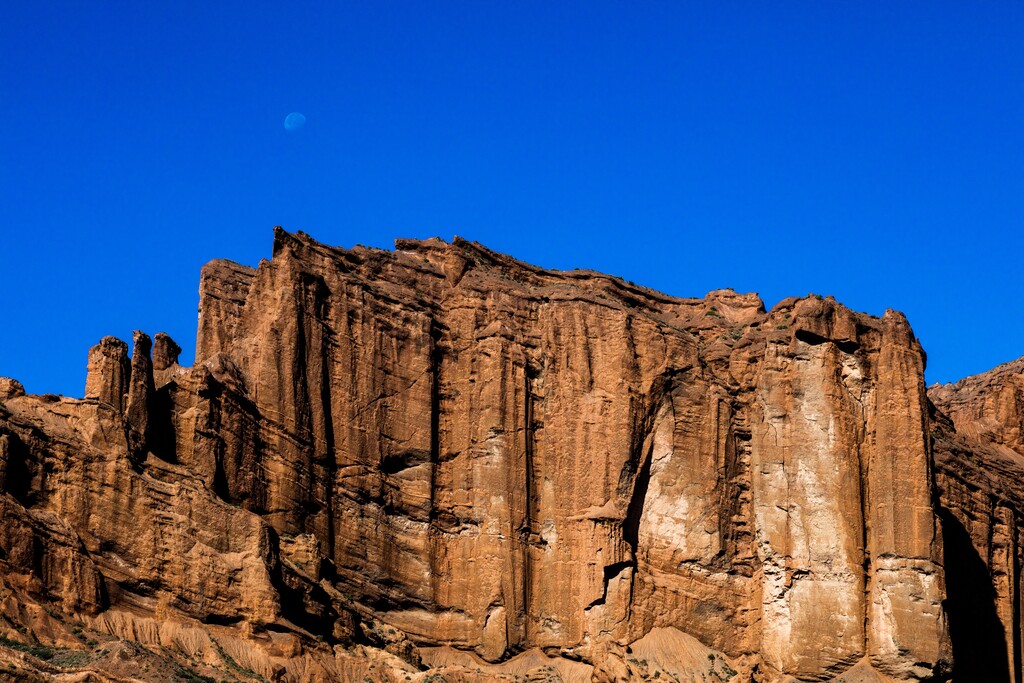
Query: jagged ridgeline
[[439, 461]]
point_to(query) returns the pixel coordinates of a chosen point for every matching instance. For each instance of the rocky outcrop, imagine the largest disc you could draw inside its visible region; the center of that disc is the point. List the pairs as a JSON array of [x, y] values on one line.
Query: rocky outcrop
[[440, 460], [107, 373], [979, 458], [987, 408], [140, 396]]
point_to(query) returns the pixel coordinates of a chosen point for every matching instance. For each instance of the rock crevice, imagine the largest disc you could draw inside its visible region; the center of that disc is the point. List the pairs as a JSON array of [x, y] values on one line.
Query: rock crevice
[[443, 453]]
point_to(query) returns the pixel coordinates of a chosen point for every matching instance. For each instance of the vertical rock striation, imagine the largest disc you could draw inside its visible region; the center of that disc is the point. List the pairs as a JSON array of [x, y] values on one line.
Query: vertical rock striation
[[443, 455], [571, 460], [979, 456], [108, 372]]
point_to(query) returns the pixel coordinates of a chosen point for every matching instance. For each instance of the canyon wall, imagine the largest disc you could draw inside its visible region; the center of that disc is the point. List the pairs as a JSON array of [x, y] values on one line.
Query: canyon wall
[[440, 461], [979, 458]]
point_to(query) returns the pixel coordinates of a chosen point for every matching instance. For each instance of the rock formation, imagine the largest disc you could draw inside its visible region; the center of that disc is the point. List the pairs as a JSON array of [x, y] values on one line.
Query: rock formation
[[440, 461], [979, 463]]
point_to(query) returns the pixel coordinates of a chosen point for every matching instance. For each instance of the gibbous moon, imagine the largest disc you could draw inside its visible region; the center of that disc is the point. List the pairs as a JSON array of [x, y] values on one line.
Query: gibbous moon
[[294, 121]]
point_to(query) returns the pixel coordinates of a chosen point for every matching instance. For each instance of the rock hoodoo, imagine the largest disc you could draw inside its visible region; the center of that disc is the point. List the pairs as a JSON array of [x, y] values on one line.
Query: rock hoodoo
[[440, 461], [108, 372]]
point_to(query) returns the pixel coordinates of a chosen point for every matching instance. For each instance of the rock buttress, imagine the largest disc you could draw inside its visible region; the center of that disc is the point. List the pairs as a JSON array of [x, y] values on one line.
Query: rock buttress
[[979, 460], [443, 453], [108, 373], [477, 442]]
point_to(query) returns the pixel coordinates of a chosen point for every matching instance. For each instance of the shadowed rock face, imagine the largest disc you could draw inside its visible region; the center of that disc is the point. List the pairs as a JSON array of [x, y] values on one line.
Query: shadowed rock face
[[979, 458], [442, 460]]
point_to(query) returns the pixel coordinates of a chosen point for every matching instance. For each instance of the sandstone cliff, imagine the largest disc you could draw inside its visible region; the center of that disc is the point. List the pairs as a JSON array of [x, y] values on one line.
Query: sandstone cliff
[[440, 461], [979, 457]]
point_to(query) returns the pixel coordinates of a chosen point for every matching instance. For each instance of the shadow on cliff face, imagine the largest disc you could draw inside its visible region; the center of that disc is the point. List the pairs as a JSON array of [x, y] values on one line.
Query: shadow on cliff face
[[20, 470], [979, 644]]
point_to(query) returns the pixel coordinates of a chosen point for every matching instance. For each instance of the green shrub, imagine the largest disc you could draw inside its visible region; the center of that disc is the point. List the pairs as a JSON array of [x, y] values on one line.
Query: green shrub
[[36, 650]]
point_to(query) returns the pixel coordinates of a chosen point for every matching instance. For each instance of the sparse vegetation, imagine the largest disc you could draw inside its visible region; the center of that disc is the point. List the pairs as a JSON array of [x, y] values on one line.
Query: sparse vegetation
[[190, 676], [236, 668], [56, 656], [71, 658], [725, 673], [36, 650]]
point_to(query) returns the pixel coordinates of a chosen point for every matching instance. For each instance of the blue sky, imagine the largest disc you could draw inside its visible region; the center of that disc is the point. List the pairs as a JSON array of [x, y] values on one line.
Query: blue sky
[[873, 151]]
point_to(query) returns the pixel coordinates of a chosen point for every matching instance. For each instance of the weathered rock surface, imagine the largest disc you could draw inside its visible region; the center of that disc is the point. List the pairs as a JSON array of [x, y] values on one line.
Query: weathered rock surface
[[107, 373], [443, 461], [979, 458]]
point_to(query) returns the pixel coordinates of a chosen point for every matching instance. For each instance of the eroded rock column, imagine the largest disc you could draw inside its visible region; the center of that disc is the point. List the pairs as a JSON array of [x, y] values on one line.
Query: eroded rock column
[[108, 372], [906, 624], [807, 507], [140, 394]]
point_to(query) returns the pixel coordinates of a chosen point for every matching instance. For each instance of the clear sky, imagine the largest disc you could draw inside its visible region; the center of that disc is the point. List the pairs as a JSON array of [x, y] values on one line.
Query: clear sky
[[873, 151]]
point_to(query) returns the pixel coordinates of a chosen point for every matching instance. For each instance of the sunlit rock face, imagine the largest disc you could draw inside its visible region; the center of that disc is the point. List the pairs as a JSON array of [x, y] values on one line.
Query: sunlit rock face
[[440, 460]]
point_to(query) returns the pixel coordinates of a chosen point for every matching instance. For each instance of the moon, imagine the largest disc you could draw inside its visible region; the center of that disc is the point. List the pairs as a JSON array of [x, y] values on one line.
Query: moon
[[294, 121]]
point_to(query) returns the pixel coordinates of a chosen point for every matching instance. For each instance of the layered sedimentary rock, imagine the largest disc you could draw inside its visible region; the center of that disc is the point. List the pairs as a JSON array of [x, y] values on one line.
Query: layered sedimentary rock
[[108, 372], [979, 456], [440, 460]]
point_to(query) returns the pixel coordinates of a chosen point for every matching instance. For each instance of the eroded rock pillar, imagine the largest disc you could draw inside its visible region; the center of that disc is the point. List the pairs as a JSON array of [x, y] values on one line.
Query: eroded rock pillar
[[906, 624], [108, 372], [140, 394]]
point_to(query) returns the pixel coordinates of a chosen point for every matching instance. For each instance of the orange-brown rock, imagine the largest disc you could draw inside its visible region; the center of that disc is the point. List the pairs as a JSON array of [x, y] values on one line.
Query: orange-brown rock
[[979, 457], [440, 460], [108, 372]]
